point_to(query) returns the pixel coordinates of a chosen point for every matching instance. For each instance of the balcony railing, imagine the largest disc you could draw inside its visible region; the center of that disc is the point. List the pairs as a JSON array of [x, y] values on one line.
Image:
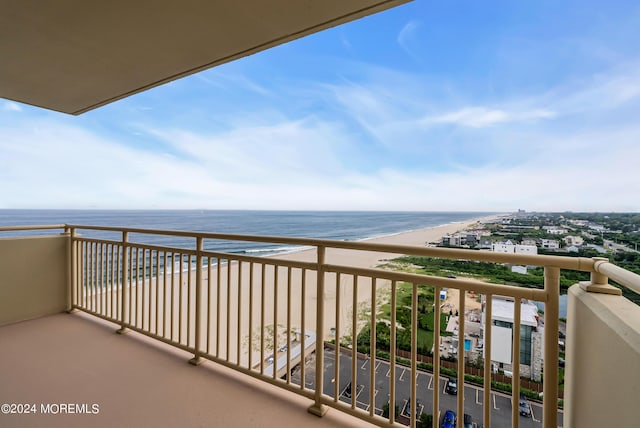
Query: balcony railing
[[264, 315]]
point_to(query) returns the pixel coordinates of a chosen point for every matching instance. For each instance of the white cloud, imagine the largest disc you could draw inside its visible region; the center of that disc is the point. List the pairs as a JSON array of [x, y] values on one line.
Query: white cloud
[[11, 106], [480, 117], [406, 36]]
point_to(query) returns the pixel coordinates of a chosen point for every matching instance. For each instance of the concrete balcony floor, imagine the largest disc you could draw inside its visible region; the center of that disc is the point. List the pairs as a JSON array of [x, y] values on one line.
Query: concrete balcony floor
[[136, 382]]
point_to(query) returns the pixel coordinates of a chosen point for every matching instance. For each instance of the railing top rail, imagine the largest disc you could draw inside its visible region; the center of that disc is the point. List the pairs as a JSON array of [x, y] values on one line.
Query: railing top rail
[[562, 262], [622, 276], [32, 227]]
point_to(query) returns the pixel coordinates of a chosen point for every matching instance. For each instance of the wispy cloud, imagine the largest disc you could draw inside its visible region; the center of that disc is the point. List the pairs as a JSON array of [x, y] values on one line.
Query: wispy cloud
[[480, 117], [406, 37], [11, 106]]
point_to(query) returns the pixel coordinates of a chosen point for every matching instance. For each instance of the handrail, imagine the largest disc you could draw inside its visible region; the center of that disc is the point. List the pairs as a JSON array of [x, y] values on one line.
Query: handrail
[[33, 227], [583, 264], [622, 276]]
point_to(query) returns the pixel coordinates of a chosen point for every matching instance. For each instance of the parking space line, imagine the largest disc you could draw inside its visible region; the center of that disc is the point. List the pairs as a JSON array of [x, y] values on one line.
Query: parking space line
[[364, 364], [359, 390], [430, 386], [403, 371], [377, 365], [444, 388], [389, 372], [494, 402], [478, 397], [533, 416]]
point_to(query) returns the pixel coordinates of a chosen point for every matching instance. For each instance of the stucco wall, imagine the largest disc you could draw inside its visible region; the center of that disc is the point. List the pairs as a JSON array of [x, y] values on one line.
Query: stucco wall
[[602, 378], [33, 277]]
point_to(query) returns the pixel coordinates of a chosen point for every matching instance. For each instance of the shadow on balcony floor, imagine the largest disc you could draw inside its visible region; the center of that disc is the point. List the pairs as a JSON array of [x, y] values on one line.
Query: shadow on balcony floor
[[136, 382]]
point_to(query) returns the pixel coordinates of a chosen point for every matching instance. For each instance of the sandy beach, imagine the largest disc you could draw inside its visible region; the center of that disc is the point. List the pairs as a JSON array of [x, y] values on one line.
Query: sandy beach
[[337, 298], [238, 301]]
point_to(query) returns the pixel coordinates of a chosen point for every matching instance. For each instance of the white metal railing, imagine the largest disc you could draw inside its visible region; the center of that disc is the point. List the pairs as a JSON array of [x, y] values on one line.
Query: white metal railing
[[240, 311]]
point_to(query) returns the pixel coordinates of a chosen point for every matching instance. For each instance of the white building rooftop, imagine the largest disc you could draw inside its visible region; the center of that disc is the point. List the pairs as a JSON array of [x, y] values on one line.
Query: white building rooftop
[[503, 310]]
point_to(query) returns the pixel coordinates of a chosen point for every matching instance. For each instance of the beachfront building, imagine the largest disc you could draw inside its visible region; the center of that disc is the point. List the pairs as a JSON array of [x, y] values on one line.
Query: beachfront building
[[512, 248], [531, 333], [550, 244], [573, 240]]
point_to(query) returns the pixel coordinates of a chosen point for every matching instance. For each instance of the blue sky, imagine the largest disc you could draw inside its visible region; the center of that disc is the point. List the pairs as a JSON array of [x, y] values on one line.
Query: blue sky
[[434, 105]]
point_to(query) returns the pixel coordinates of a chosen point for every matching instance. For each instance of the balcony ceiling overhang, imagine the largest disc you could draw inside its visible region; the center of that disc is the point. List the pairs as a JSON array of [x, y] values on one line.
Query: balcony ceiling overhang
[[75, 55]]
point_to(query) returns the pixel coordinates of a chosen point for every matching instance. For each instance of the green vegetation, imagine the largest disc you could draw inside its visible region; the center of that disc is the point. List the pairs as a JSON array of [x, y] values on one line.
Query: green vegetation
[[425, 320], [486, 271]]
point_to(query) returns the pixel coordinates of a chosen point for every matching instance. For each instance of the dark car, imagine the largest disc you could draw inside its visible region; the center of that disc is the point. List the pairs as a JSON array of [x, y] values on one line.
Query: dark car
[[451, 387], [525, 408], [467, 421], [449, 419]]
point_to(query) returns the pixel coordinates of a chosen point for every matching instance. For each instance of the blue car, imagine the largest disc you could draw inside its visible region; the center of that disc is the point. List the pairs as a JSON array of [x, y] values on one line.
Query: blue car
[[449, 419]]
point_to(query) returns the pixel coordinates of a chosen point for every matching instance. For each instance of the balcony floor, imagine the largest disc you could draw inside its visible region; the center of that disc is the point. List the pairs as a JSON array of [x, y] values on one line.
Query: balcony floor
[[136, 382]]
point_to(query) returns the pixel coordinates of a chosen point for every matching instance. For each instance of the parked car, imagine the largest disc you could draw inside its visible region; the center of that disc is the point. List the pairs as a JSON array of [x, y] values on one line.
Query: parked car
[[525, 407], [451, 387], [467, 421], [449, 419]]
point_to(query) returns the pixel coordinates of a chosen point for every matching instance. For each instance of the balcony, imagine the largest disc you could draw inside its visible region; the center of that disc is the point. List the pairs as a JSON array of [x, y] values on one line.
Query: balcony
[[258, 325]]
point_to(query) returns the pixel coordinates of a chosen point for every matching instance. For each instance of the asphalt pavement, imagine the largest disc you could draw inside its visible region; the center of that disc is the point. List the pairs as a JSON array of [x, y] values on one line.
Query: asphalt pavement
[[425, 389]]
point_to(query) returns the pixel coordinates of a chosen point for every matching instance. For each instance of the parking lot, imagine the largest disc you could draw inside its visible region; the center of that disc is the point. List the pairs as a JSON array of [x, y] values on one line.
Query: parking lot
[[425, 388]]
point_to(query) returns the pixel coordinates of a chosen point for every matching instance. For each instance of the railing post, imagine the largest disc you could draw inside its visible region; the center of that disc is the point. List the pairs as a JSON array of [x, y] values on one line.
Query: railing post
[[197, 359], [551, 316], [599, 283], [317, 408], [124, 303]]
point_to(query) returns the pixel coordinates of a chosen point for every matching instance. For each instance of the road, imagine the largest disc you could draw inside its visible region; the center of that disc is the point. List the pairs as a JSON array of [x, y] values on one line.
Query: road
[[500, 403]]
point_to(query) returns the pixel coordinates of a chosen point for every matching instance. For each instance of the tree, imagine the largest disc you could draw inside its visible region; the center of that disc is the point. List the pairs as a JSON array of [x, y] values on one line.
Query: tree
[[425, 420], [385, 410]]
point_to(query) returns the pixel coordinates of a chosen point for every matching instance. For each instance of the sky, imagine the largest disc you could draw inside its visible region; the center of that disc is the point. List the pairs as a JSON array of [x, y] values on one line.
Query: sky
[[439, 105]]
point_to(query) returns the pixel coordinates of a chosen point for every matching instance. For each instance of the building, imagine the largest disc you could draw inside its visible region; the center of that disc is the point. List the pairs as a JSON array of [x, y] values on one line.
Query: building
[[573, 240], [502, 321], [550, 244], [511, 248]]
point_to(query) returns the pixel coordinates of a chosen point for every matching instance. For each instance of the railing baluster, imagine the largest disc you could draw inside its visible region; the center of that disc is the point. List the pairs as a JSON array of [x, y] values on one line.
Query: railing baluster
[[239, 317], [125, 285], [288, 376], [515, 369], [228, 325], [414, 352], [318, 408], [189, 299], [392, 354], [372, 368], [218, 276], [172, 303], [461, 311], [250, 328], [209, 305], [275, 321], [488, 313], [262, 326], [354, 341], [196, 360], [336, 338], [436, 356], [303, 349], [550, 380]]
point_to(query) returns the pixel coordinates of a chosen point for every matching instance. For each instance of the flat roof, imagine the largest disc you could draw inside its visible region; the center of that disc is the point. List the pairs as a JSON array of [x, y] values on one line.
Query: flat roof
[[76, 55], [503, 310]]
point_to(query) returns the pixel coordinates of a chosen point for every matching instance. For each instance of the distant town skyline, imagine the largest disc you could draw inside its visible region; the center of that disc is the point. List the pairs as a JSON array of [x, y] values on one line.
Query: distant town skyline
[[430, 106]]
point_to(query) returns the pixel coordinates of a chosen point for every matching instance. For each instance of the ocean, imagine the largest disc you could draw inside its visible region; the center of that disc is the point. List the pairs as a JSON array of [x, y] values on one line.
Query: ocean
[[340, 225]]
